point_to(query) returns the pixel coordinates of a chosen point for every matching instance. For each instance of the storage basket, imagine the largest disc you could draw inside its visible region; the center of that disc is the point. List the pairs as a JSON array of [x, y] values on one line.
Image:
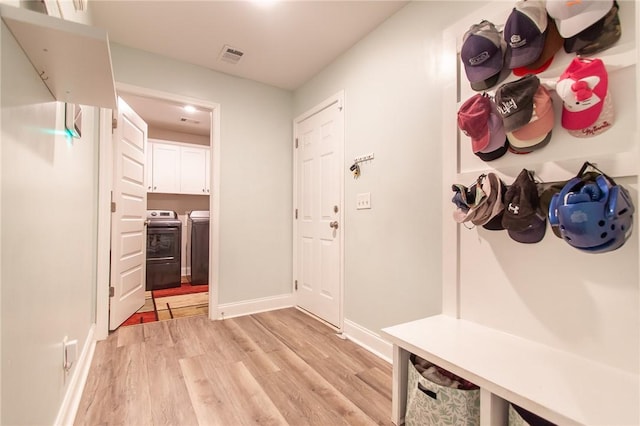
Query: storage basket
[[518, 416], [429, 404]]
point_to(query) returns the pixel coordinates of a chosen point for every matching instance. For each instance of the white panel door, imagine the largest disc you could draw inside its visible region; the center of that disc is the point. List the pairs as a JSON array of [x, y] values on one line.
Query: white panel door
[[318, 245], [128, 233]]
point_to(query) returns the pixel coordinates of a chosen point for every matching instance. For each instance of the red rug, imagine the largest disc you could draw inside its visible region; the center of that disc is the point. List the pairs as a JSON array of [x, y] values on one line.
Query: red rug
[[151, 316], [185, 288]]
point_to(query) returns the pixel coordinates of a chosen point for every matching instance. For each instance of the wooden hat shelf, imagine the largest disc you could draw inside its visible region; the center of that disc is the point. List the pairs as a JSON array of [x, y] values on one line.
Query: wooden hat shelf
[[72, 59]]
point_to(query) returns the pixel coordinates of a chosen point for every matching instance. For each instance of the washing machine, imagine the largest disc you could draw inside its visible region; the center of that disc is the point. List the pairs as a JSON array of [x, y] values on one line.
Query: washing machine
[[198, 246]]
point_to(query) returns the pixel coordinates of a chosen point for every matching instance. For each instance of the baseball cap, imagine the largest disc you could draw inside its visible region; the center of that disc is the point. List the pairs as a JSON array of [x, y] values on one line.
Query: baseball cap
[[537, 132], [495, 222], [524, 31], [574, 16], [473, 120], [514, 101], [582, 87], [482, 54], [498, 143], [522, 217], [603, 123], [552, 43], [597, 37], [467, 200], [494, 205], [479, 203]]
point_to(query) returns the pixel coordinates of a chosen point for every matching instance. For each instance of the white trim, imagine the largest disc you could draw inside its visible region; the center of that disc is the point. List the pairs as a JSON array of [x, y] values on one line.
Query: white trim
[[103, 255], [249, 307], [339, 99], [71, 401], [214, 213], [368, 340]]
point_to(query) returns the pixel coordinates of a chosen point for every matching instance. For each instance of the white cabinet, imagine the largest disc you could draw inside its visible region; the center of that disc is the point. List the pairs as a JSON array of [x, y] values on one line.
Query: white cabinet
[[194, 174], [165, 168], [177, 168]]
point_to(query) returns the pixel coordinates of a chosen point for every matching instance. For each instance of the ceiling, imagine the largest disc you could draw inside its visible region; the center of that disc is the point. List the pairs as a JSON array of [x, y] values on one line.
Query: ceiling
[[285, 43], [168, 115]]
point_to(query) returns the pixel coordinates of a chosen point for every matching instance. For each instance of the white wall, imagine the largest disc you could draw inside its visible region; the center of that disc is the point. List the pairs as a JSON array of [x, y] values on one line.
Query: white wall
[[48, 224], [256, 168], [393, 90]]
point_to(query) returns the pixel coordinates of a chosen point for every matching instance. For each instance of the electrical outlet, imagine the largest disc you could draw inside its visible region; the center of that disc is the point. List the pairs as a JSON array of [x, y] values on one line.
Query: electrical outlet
[[363, 201]]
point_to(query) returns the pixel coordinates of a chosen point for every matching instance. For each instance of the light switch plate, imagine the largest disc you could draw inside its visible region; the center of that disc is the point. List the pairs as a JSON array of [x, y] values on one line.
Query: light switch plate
[[363, 201]]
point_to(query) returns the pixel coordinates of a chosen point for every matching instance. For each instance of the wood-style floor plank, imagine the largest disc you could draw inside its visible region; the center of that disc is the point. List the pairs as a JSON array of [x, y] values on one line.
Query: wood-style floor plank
[[171, 404], [273, 368]]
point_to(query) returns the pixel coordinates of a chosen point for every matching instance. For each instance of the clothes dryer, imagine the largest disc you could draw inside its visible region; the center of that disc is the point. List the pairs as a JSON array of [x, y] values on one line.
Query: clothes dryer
[[198, 246]]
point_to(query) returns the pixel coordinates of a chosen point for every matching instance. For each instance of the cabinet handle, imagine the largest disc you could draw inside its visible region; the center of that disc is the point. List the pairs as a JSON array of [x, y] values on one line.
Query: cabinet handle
[[154, 188]]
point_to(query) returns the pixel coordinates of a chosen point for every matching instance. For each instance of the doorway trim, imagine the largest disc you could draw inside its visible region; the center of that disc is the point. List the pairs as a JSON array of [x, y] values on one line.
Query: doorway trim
[[339, 99], [105, 186]]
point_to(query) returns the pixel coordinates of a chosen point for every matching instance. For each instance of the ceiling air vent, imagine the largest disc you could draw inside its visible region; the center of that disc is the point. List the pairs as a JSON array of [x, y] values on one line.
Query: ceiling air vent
[[231, 55], [189, 120]]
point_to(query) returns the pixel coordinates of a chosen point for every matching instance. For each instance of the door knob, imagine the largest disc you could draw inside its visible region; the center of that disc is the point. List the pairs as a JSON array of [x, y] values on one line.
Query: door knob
[[333, 224]]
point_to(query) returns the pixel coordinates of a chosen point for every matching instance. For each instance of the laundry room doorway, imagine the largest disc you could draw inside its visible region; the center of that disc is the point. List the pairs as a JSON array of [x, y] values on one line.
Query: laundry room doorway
[[181, 181]]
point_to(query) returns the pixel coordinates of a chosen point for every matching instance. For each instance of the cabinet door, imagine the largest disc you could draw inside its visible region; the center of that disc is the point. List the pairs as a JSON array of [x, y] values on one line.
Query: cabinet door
[[166, 168], [193, 178]]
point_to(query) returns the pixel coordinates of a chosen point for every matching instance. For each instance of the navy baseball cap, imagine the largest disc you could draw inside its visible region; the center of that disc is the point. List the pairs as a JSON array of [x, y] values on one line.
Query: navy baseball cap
[[483, 50], [525, 32]]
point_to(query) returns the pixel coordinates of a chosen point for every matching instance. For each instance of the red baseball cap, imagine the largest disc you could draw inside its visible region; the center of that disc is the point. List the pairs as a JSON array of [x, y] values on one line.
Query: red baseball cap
[[473, 120]]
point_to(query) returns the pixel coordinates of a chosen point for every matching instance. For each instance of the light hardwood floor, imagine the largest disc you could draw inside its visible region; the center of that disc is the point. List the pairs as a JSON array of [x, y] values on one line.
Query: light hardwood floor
[[274, 368]]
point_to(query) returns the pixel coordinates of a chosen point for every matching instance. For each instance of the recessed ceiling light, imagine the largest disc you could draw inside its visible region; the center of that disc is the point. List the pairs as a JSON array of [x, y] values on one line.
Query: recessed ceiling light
[[264, 3], [189, 108]]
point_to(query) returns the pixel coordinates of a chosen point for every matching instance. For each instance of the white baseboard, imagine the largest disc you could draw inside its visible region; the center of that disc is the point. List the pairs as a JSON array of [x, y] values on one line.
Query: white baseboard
[[71, 401], [248, 307], [368, 340]]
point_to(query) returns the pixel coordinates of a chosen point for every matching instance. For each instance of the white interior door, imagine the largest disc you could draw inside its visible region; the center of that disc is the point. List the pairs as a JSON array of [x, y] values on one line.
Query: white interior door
[[128, 233], [319, 225]]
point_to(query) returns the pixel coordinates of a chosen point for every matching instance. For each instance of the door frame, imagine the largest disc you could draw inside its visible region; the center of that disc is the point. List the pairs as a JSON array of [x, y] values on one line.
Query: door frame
[[105, 186], [339, 99]]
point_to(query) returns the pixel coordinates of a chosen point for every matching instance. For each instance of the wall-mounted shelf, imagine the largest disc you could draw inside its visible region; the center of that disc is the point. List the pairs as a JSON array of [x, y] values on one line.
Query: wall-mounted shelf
[[73, 60]]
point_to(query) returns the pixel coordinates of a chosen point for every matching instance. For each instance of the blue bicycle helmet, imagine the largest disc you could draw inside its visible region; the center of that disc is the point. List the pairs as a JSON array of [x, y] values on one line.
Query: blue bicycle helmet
[[592, 216]]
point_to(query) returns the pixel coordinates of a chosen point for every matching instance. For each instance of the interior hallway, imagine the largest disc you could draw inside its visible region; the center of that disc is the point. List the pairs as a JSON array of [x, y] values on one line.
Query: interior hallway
[[278, 367]]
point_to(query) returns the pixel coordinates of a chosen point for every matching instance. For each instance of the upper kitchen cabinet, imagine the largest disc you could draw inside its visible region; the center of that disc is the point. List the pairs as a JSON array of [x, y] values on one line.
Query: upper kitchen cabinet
[[165, 167], [177, 168], [193, 166], [73, 60]]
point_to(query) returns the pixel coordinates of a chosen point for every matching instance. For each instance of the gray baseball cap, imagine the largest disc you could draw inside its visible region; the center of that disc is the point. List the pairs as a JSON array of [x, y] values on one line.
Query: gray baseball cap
[[514, 101]]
